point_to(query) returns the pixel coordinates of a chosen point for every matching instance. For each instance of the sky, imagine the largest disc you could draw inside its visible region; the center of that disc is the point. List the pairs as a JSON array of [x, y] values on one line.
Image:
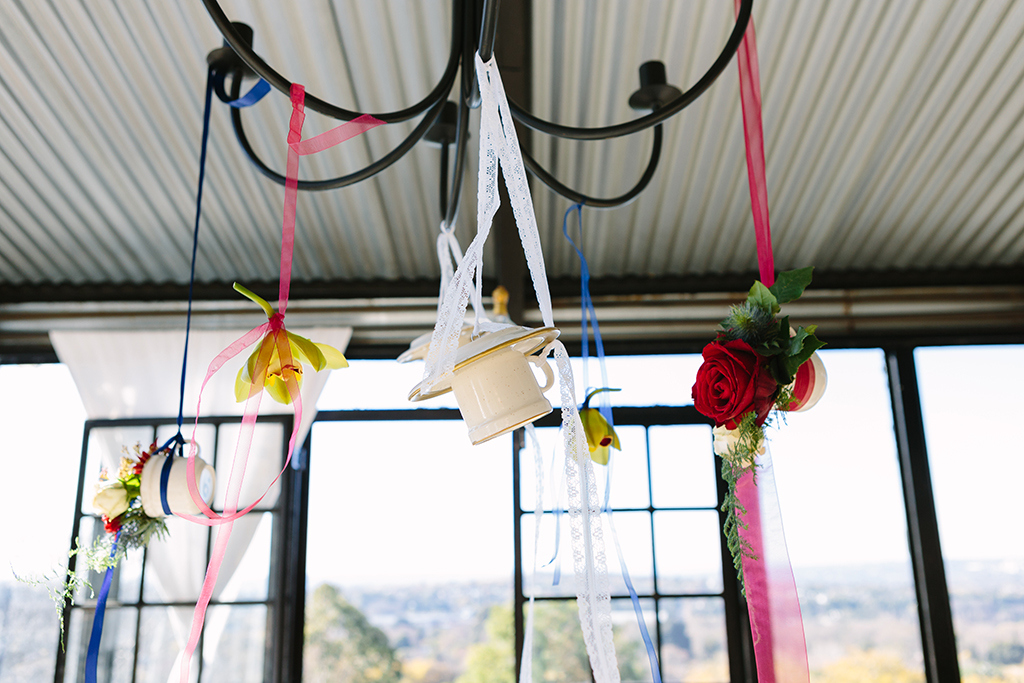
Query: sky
[[417, 502]]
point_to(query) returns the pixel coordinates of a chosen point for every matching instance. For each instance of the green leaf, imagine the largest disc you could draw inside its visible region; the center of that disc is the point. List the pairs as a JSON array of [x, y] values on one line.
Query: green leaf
[[791, 284], [778, 370], [796, 342], [808, 346], [762, 297]]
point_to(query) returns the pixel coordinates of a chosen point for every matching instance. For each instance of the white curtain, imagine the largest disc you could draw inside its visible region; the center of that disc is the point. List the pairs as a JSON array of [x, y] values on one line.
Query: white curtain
[[128, 374]]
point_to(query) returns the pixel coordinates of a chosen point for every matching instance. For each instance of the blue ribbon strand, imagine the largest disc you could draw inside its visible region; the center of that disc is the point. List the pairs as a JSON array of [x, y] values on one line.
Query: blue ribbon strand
[[589, 315], [255, 94], [93, 654]]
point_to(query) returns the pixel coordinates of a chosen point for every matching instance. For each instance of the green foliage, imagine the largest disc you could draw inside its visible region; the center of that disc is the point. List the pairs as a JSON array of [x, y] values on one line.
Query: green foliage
[[342, 646], [737, 462], [791, 284], [138, 529], [586, 401], [748, 322], [762, 297], [493, 661]]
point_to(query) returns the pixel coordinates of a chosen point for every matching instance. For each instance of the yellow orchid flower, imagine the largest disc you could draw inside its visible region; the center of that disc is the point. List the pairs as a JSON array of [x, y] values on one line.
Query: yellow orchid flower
[[600, 434], [279, 357]]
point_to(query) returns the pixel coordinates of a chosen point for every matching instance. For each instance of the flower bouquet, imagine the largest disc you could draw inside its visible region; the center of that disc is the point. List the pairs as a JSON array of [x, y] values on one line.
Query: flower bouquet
[[756, 363]]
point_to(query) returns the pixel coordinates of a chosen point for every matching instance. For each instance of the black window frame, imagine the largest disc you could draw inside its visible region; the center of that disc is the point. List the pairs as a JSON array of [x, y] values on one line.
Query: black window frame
[[278, 588], [287, 582]]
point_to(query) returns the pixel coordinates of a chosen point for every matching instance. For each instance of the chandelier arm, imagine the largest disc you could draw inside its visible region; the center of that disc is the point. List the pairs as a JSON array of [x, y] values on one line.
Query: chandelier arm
[[341, 181], [451, 211], [595, 202], [438, 95], [664, 112]]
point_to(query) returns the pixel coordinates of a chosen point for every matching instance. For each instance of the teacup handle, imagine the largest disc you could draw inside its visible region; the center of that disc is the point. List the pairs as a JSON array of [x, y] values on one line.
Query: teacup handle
[[549, 376]]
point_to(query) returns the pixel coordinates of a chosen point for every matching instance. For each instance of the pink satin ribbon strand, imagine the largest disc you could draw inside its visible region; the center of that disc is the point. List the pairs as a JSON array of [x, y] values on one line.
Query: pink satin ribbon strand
[[776, 624], [275, 327]]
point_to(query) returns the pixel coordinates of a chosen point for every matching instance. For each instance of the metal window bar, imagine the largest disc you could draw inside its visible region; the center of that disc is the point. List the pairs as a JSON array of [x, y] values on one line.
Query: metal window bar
[[738, 640], [275, 602]]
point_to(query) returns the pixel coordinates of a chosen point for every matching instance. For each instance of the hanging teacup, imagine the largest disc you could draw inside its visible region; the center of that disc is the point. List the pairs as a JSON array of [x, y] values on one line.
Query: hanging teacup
[[164, 487], [809, 384], [494, 384]]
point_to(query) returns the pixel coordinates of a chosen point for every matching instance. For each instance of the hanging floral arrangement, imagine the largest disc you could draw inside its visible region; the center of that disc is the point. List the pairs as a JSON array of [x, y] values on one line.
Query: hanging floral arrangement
[[749, 369]]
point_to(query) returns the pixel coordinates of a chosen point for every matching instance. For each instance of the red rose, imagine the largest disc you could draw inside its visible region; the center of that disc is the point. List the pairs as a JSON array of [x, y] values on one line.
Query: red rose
[[112, 526], [733, 381]]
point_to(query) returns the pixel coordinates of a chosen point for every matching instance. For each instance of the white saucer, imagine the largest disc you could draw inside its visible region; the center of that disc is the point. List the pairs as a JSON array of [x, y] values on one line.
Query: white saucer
[[526, 340], [419, 346]]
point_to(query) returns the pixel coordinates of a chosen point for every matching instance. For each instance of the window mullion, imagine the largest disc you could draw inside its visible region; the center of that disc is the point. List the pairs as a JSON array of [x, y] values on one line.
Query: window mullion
[[938, 640]]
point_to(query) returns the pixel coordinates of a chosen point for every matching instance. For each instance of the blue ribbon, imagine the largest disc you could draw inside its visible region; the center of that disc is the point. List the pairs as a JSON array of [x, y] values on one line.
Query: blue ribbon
[[93, 654], [589, 314], [165, 476], [255, 94]]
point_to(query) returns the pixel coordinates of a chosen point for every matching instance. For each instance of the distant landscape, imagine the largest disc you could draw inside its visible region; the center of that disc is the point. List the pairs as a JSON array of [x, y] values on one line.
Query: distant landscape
[[861, 625]]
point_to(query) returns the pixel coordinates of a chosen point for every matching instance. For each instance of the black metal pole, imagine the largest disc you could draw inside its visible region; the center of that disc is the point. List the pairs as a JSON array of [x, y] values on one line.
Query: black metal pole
[[517, 543], [488, 29], [938, 641]]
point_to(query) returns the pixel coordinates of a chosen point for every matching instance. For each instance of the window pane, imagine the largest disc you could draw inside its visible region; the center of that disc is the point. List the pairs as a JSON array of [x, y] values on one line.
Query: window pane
[[967, 396], [634, 536], [693, 640], [842, 504], [409, 543], [42, 427], [683, 466], [549, 564], [105, 444], [233, 643], [630, 651], [250, 538], [628, 470], [264, 463], [377, 385], [117, 647], [559, 654], [688, 550], [162, 633]]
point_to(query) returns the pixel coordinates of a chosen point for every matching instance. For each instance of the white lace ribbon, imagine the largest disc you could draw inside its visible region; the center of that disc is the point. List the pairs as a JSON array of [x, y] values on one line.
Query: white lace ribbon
[[499, 145]]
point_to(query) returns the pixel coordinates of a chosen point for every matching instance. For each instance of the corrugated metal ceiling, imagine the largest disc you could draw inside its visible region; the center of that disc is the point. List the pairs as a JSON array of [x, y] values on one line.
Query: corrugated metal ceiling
[[894, 136]]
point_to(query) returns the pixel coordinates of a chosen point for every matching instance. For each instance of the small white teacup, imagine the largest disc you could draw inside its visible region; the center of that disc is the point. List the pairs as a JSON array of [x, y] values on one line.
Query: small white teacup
[[498, 392]]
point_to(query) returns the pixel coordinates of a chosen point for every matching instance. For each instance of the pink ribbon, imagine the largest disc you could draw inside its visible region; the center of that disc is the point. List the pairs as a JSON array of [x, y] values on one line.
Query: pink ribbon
[[775, 620], [274, 331]]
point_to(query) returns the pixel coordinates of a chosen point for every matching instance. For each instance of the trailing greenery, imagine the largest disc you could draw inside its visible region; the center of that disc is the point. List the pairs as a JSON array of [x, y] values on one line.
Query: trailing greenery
[[739, 460]]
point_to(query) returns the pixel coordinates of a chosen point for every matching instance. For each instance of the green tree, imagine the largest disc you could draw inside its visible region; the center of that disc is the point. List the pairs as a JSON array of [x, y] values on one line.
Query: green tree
[[342, 646], [559, 653], [494, 660]]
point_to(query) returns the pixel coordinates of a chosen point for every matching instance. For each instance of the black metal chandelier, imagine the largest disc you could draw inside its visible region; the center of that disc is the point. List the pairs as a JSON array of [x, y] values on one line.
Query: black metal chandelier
[[474, 26]]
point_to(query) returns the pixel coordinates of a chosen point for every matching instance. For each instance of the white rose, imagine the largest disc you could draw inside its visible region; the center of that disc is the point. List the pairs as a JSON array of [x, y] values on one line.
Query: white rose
[[110, 500], [725, 439], [727, 442]]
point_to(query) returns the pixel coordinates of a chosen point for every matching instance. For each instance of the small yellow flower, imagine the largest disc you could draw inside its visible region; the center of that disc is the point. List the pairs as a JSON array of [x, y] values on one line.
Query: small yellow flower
[[278, 360], [600, 434]]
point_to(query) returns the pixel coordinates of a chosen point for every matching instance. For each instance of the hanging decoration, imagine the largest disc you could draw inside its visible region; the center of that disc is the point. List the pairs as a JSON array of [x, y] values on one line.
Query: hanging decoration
[[499, 146], [600, 433], [599, 425], [737, 387], [748, 370], [288, 352], [273, 366]]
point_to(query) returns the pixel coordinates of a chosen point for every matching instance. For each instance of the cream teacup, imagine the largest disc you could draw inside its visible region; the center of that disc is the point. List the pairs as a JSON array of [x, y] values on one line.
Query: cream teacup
[[179, 500], [498, 392], [809, 384]]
